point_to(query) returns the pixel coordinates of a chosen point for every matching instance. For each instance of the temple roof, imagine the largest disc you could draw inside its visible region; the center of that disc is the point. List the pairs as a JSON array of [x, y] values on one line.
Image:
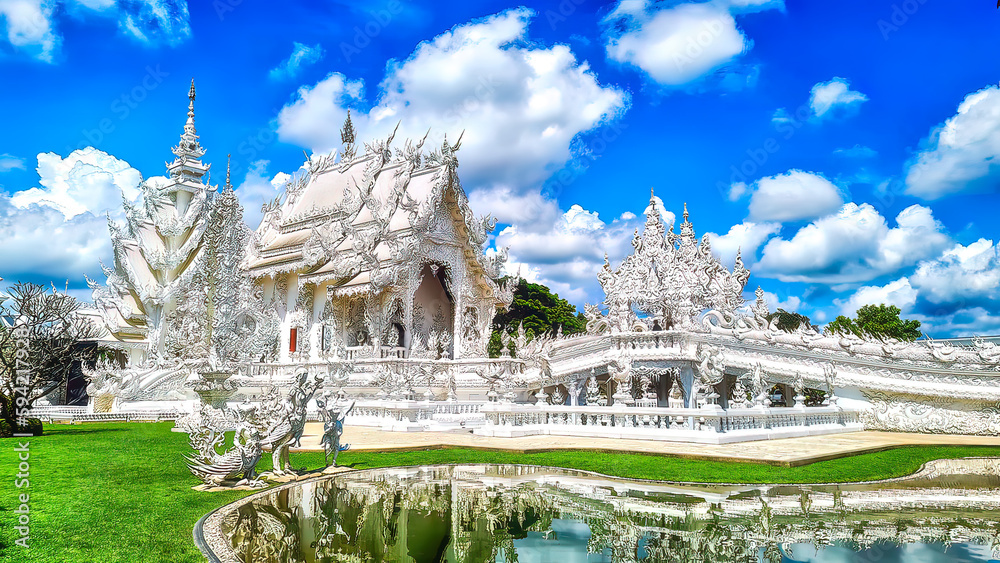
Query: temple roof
[[344, 221]]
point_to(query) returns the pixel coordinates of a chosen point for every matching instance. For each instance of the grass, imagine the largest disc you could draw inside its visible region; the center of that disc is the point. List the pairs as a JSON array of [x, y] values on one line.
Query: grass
[[113, 493]]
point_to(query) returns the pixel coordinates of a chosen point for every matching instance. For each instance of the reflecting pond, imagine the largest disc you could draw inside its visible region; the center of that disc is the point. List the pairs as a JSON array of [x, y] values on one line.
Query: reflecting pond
[[474, 513]]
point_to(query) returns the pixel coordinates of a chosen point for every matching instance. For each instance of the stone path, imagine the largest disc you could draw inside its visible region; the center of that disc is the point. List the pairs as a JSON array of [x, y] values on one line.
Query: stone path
[[789, 452]]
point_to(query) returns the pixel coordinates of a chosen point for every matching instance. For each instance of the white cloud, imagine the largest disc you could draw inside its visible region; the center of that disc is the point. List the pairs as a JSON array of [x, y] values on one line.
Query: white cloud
[[301, 57], [747, 237], [898, 292], [313, 119], [854, 245], [10, 162], [857, 151], [792, 304], [834, 97], [30, 25], [257, 189], [793, 196], [954, 294], [960, 154], [155, 21], [566, 252], [59, 231], [521, 104], [87, 179], [963, 274], [40, 244], [682, 43]]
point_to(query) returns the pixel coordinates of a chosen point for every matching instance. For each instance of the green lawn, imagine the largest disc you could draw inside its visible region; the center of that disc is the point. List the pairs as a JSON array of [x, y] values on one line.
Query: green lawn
[[121, 492]]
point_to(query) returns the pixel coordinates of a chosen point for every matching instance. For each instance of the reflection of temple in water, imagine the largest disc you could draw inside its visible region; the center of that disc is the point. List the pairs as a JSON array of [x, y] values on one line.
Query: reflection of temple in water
[[491, 513]]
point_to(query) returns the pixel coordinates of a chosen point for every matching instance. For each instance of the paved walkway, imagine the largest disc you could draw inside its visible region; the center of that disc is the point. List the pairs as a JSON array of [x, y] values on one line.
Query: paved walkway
[[789, 452]]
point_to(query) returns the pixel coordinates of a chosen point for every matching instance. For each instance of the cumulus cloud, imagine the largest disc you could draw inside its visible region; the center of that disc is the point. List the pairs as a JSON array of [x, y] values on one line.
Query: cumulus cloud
[[959, 154], [30, 25], [962, 274], [567, 252], [59, 232], [87, 179], [854, 245], [954, 294], [301, 57], [898, 292], [10, 162], [257, 189], [795, 195], [681, 43], [792, 303], [834, 98], [746, 238], [521, 104]]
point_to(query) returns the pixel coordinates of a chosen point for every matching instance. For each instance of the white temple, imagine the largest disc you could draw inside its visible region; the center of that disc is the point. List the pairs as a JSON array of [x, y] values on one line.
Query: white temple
[[371, 270]]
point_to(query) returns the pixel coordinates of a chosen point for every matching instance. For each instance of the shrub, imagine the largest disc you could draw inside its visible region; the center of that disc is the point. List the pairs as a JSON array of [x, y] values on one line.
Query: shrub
[[34, 427], [5, 429]]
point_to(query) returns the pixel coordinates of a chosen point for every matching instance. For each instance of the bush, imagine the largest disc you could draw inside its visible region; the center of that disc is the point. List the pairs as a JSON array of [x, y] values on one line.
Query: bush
[[34, 427]]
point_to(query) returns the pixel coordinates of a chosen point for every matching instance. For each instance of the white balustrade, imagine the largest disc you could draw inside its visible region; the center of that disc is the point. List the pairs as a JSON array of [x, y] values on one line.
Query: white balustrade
[[708, 425]]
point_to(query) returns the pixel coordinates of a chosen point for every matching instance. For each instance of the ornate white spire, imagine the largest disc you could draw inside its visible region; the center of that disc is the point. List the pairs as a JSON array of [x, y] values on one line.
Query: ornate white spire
[[187, 166]]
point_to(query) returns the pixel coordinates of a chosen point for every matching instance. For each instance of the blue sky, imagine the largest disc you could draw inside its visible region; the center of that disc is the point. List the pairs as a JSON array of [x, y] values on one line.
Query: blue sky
[[846, 148]]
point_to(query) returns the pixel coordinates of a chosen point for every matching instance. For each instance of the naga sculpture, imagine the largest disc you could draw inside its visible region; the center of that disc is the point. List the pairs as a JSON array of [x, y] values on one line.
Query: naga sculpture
[[286, 429], [333, 416]]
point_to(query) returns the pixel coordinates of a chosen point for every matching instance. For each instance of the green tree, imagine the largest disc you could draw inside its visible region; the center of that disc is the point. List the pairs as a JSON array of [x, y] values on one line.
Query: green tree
[[876, 321], [789, 322], [540, 311]]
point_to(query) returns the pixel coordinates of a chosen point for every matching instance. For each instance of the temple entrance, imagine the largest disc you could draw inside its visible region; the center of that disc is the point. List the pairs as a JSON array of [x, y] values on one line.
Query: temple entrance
[[433, 314]]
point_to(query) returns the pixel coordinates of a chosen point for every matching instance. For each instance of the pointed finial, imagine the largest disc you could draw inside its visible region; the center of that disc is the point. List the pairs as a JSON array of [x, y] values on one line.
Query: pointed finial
[[652, 196], [685, 211], [189, 126], [229, 158]]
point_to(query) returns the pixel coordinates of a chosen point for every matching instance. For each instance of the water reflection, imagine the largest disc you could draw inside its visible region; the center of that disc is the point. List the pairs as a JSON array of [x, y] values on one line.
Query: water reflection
[[527, 514]]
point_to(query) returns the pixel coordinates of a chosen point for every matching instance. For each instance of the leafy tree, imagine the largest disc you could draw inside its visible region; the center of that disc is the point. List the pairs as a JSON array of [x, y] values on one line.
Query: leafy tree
[[540, 310], [876, 321], [789, 322], [38, 349]]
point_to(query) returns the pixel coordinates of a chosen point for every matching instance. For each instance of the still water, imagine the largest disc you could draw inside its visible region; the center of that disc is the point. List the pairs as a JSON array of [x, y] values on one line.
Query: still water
[[476, 513]]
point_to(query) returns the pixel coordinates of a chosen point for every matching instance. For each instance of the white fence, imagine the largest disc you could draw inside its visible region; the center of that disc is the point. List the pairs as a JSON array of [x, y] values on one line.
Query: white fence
[[61, 413], [705, 425]]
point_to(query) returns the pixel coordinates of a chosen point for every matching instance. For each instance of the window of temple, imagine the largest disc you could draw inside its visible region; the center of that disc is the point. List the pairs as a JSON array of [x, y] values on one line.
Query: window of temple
[[293, 339]]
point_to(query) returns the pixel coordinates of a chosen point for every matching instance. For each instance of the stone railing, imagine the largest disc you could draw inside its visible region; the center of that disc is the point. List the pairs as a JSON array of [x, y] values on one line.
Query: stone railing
[[711, 425], [80, 414], [416, 415]]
